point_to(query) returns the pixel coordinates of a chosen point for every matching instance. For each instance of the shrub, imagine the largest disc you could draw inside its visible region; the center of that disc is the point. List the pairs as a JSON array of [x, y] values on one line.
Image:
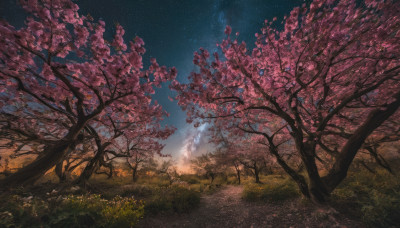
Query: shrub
[[173, 199], [276, 189], [92, 210], [70, 211], [137, 190], [232, 180], [197, 187], [190, 178], [123, 212], [375, 198], [382, 210], [17, 211], [159, 181], [184, 199], [252, 192]]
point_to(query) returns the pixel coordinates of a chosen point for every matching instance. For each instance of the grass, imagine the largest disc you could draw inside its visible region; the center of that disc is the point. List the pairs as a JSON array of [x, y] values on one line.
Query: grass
[[116, 202], [375, 198], [119, 202], [173, 199], [70, 211], [274, 188]]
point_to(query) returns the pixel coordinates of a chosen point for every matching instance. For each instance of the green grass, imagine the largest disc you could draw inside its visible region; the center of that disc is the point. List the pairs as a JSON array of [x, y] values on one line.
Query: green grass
[[274, 188], [172, 199], [375, 198], [70, 211]]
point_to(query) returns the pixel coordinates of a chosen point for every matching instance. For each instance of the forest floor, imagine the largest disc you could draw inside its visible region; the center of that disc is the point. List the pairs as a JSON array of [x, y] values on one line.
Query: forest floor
[[226, 208]]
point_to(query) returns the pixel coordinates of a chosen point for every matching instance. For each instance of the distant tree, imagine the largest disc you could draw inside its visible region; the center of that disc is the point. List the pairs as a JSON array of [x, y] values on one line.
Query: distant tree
[[59, 75], [334, 65], [254, 165], [135, 140], [206, 165], [225, 150], [168, 169], [142, 146], [134, 163]]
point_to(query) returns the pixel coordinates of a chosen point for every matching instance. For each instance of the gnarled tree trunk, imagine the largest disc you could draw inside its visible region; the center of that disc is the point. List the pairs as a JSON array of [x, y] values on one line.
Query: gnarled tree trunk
[[51, 156], [29, 174], [354, 143]]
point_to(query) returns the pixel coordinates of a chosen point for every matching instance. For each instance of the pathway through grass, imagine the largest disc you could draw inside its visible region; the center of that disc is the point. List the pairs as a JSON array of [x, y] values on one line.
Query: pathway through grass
[[226, 208]]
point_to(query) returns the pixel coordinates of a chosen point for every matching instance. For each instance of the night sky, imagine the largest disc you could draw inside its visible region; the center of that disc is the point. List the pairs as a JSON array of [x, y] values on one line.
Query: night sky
[[172, 30]]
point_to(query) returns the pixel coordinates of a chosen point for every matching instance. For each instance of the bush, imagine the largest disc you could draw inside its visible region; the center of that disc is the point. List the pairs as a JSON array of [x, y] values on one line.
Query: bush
[[190, 178], [232, 180], [375, 198], [17, 211], [173, 199], [123, 212], [70, 211], [382, 210], [159, 181], [276, 189], [137, 190], [197, 187], [91, 210]]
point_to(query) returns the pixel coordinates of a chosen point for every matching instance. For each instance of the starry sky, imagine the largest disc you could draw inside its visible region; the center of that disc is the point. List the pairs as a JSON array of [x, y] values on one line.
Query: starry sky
[[172, 30]]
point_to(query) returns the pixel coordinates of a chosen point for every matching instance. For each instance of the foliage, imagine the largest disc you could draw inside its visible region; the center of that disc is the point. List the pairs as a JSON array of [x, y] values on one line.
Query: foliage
[[71, 211], [22, 211], [274, 189], [190, 178], [173, 199], [206, 165], [373, 197], [231, 179], [137, 190]]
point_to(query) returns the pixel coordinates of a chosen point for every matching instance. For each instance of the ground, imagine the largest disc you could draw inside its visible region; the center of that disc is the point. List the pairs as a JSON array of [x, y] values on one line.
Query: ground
[[226, 208]]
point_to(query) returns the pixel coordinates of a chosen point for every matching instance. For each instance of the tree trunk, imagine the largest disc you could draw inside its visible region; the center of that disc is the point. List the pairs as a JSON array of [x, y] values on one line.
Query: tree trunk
[[317, 190], [354, 143], [237, 168], [52, 155], [298, 178], [59, 172], [257, 175], [89, 169], [238, 175], [134, 172], [212, 178], [94, 162]]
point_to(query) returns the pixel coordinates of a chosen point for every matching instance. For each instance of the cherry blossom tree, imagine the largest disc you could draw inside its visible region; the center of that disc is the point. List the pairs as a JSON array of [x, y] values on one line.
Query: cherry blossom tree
[[206, 165], [226, 150], [335, 65], [135, 140], [239, 150], [59, 67], [142, 143]]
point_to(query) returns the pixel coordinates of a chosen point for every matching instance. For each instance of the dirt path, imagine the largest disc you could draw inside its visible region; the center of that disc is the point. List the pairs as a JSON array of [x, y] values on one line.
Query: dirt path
[[226, 209]]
